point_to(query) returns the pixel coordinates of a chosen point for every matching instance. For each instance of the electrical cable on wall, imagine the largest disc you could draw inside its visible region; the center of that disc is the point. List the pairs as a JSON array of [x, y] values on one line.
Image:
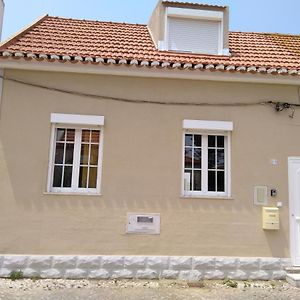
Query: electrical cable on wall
[[278, 106]]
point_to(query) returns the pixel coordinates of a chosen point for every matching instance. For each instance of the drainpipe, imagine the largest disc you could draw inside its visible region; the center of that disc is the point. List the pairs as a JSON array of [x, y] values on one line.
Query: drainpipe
[[2, 5]]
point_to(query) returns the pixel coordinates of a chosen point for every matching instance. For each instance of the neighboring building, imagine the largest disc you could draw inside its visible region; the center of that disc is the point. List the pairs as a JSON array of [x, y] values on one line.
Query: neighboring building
[[1, 15], [154, 148]]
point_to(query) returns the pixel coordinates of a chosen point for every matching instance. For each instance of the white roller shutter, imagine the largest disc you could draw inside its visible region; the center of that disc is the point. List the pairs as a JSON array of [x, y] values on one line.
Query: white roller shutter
[[193, 35]]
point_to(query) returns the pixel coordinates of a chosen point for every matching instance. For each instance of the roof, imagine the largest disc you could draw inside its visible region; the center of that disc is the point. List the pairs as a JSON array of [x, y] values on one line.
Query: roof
[[61, 39], [184, 3]]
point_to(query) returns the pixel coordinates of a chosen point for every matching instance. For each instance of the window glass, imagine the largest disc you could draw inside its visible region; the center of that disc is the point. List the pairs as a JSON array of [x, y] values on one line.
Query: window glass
[[221, 181], [188, 140], [57, 176], [67, 177], [211, 181], [197, 180], [93, 177], [193, 162], [197, 158], [188, 158], [83, 175]]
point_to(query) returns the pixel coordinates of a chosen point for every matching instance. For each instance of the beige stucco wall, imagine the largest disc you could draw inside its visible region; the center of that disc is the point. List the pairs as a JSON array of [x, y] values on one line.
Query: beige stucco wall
[[142, 168]]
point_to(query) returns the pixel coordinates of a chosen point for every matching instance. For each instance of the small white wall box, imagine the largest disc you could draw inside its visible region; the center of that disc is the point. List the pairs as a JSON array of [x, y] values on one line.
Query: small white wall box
[[270, 218], [260, 195], [143, 223]]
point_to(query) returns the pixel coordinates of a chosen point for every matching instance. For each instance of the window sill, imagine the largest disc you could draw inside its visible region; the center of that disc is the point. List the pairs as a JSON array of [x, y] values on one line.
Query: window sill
[[71, 194], [206, 197]]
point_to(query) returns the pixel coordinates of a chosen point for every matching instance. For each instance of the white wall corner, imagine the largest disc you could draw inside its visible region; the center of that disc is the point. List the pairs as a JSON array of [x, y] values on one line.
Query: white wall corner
[[226, 51], [161, 45]]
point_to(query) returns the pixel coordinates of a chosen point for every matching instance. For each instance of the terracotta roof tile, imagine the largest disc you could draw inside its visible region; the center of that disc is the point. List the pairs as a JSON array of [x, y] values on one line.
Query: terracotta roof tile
[[60, 36]]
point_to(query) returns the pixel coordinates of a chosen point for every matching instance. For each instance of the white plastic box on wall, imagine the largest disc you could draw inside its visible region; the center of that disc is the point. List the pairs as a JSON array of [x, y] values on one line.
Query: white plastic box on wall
[[143, 223]]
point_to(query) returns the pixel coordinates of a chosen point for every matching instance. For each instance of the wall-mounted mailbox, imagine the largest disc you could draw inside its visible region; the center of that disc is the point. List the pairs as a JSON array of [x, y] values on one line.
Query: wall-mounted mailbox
[[271, 218], [143, 223]]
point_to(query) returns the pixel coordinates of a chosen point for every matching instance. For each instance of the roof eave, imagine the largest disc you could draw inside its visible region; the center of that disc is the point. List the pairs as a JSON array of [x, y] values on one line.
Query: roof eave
[[152, 72]]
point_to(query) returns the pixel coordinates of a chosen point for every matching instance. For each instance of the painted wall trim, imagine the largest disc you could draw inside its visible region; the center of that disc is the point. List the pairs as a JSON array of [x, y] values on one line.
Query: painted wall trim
[[293, 209], [77, 119], [208, 125], [194, 13], [1, 90], [137, 71], [192, 268]]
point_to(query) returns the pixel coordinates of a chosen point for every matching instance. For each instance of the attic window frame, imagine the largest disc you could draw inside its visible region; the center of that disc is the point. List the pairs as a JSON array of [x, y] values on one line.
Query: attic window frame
[[194, 14]]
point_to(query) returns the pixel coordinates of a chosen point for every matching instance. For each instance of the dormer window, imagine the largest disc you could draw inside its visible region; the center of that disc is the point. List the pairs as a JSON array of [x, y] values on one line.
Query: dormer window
[[194, 31], [190, 27]]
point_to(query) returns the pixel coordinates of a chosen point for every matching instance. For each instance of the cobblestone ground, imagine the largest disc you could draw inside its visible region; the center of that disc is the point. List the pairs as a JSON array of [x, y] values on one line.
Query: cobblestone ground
[[142, 290]]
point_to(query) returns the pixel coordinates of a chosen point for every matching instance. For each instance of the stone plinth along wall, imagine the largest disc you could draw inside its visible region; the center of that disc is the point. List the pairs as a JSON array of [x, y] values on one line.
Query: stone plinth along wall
[[189, 268]]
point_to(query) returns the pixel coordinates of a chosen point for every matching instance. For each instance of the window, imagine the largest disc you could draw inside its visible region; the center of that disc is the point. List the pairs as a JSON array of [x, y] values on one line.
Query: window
[[75, 158], [192, 35], [206, 161], [196, 31]]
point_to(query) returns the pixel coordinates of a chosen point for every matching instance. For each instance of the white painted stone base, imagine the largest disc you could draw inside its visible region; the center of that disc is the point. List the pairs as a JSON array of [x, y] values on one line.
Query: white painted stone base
[[293, 279], [190, 268]]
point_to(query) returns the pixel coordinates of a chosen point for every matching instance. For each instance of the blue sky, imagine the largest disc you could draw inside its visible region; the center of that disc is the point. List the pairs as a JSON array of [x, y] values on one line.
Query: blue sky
[[245, 15]]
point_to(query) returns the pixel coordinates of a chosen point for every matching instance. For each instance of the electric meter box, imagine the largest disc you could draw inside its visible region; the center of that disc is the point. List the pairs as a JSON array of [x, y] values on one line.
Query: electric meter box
[[270, 218], [143, 223]]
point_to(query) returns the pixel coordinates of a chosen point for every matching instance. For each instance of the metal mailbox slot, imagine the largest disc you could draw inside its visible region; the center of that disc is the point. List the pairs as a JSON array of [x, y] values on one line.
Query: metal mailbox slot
[[143, 223], [270, 218]]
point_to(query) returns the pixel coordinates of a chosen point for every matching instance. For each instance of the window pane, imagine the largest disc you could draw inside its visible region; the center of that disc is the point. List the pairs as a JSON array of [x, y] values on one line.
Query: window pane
[[211, 181], [71, 135], [211, 158], [220, 159], [95, 136], [57, 176], [197, 180], [85, 136], [211, 141], [68, 177], [197, 158], [69, 154], [60, 135], [84, 157], [188, 180], [59, 153], [220, 141], [83, 177], [94, 155], [197, 140], [188, 158], [188, 139], [221, 181], [93, 178]]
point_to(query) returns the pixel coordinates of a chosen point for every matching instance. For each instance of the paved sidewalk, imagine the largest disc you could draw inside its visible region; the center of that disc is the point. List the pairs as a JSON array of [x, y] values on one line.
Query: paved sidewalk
[[143, 290]]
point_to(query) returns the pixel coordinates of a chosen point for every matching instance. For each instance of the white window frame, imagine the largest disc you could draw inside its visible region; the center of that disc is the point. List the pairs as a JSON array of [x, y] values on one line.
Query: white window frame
[[79, 123], [206, 128], [186, 13]]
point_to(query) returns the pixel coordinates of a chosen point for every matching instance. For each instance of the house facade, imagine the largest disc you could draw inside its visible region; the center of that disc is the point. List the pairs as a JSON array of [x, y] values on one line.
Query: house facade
[[161, 150]]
